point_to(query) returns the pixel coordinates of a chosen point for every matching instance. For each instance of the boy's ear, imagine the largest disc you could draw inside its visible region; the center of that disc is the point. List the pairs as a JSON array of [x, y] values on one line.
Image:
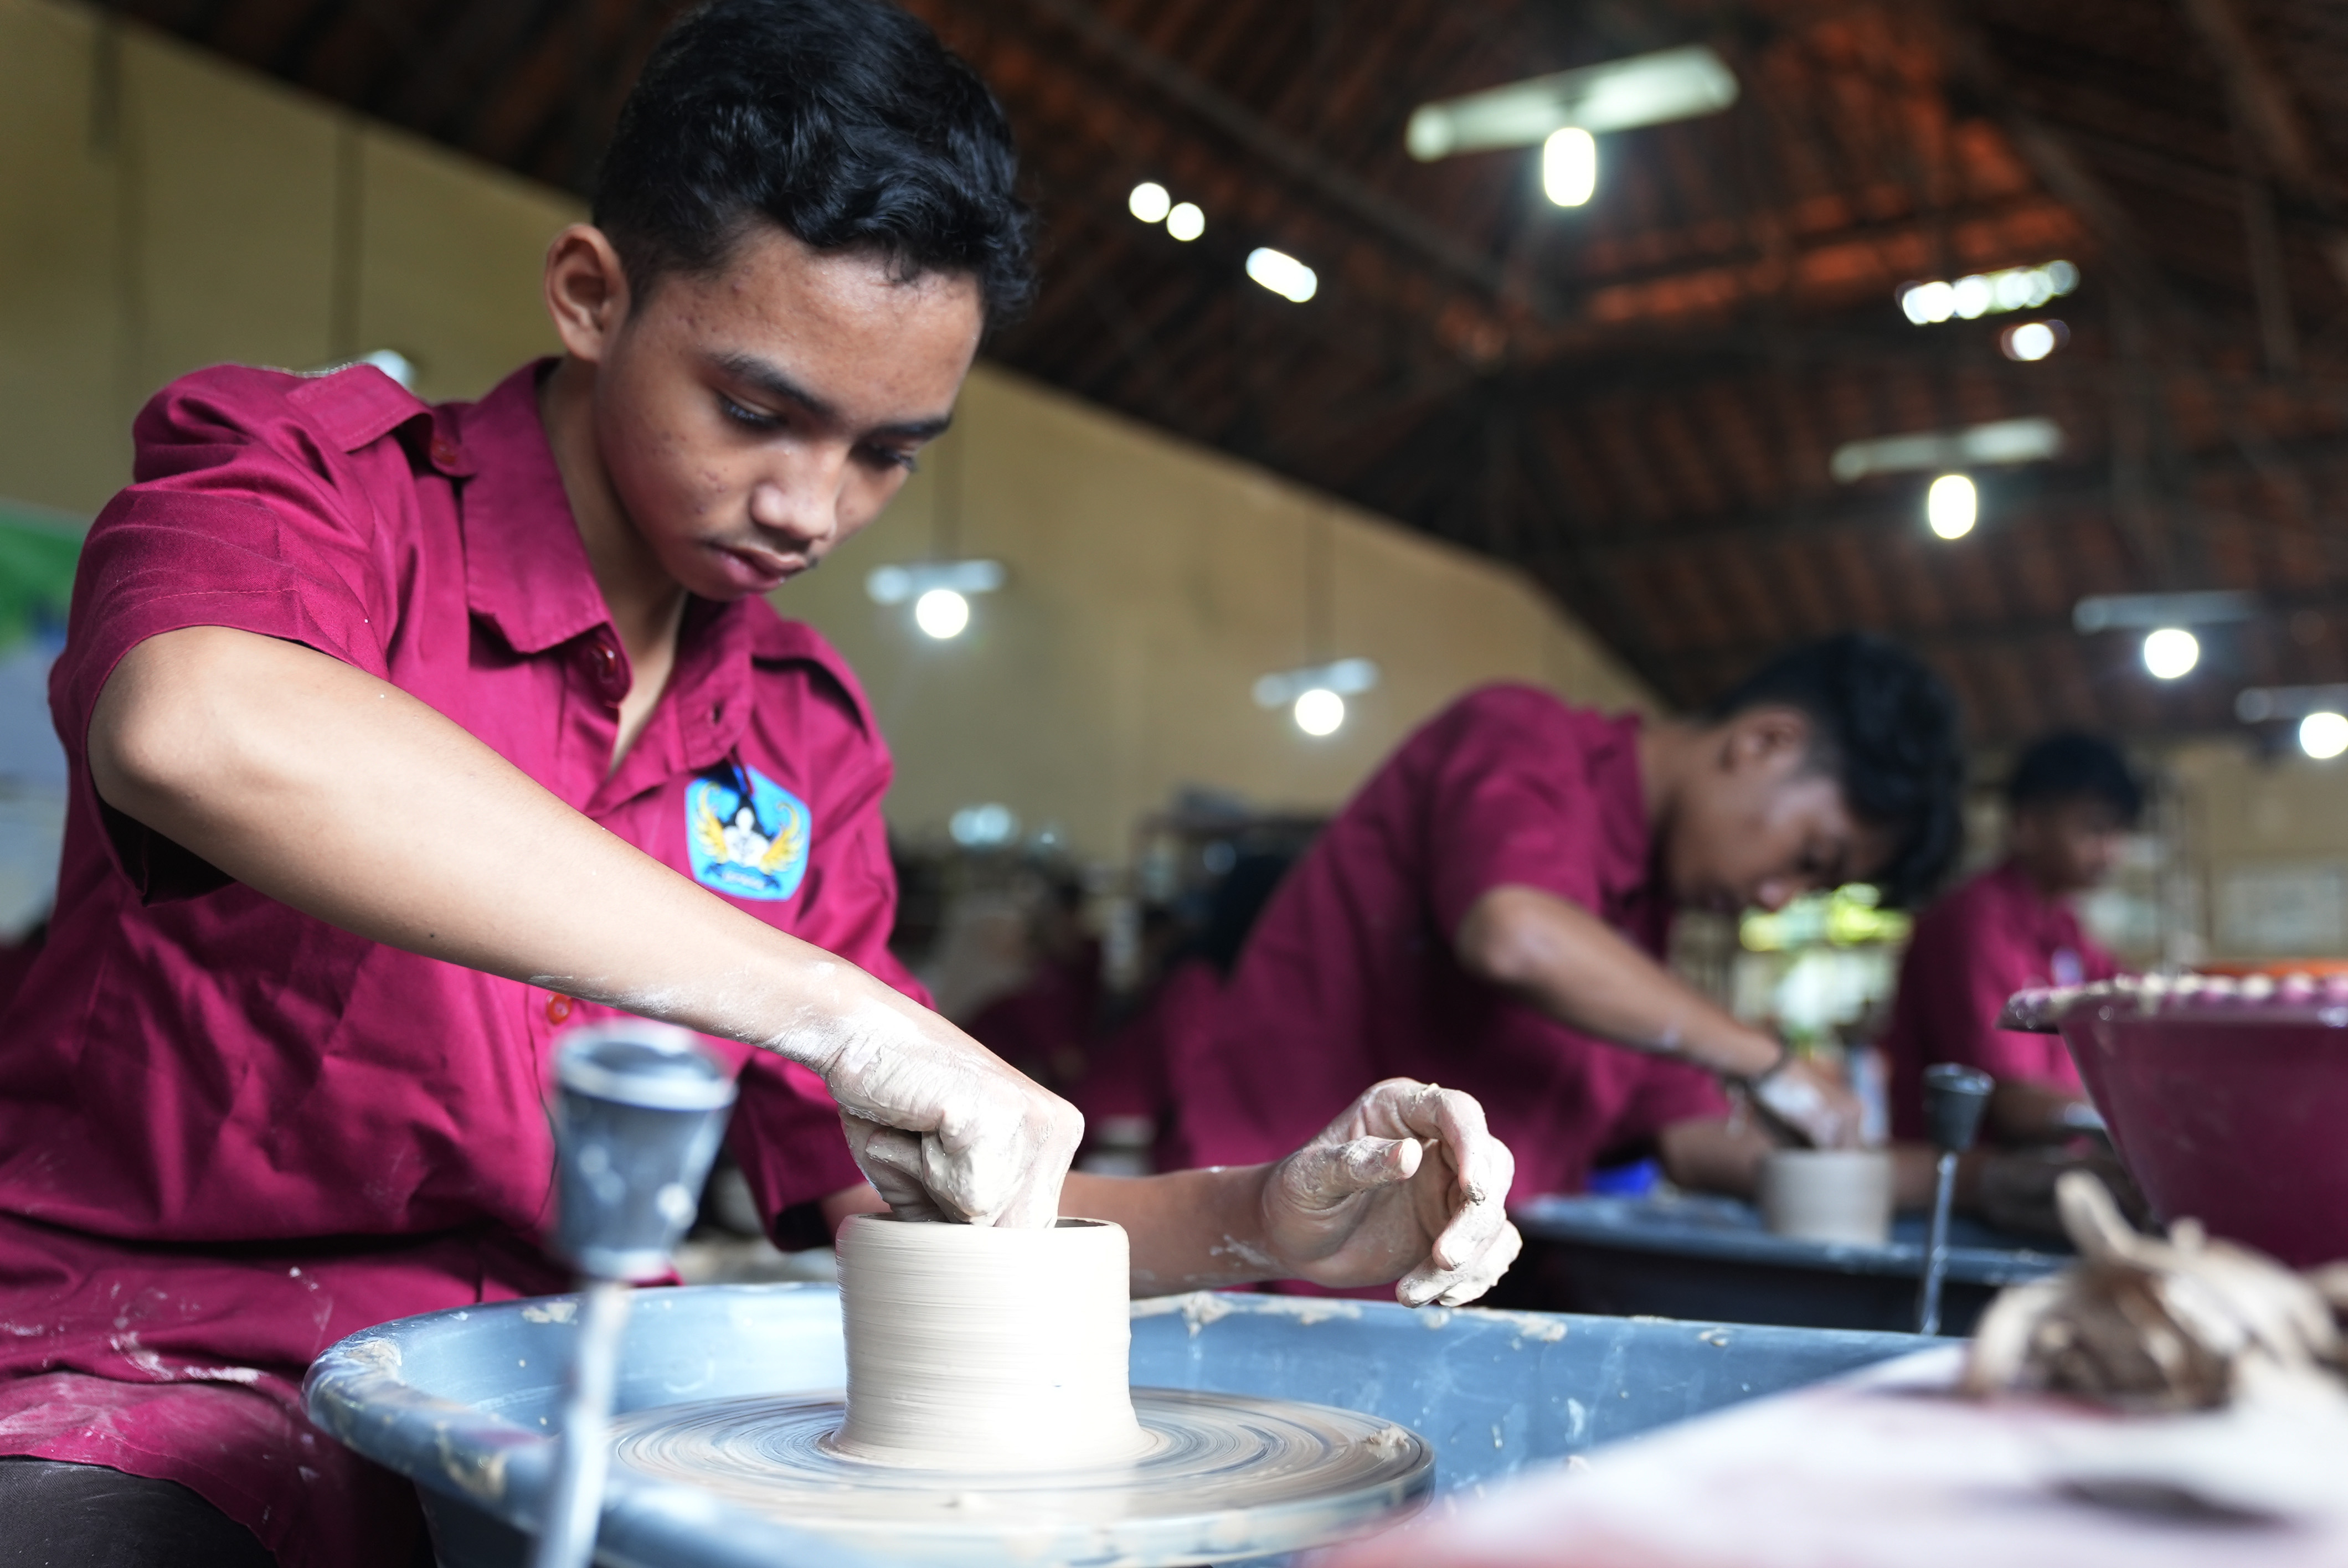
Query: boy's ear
[[586, 290]]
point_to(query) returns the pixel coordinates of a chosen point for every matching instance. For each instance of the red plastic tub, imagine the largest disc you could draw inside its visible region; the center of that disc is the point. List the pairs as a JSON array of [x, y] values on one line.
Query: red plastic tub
[[2230, 1109]]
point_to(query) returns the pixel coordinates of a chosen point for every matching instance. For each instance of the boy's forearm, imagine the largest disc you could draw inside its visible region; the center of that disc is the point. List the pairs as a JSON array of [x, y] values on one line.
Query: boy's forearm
[[347, 798], [1189, 1230], [1568, 963]]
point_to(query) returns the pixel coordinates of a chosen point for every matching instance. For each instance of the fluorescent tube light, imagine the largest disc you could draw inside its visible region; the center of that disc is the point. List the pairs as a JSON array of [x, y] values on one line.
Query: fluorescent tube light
[[2147, 612], [2002, 441], [1345, 678], [896, 584], [1646, 89], [2258, 704]]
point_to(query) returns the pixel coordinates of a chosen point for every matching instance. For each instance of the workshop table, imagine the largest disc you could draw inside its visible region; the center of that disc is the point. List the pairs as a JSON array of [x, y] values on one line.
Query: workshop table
[[1708, 1259]]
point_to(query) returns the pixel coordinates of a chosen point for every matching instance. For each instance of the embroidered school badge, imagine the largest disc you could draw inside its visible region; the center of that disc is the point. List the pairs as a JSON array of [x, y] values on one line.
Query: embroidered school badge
[[747, 834]]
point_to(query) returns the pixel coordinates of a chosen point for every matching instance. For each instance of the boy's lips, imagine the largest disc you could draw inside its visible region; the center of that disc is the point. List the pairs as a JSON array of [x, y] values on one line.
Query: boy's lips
[[754, 569]]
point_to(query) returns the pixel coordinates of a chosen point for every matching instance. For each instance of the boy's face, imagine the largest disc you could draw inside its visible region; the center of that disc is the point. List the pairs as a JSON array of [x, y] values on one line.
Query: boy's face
[[1759, 824], [751, 420], [2068, 846]]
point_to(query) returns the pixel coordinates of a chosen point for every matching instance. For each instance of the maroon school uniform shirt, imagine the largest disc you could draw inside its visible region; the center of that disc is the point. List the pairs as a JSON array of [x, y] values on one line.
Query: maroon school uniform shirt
[[230, 1135], [1350, 976], [1992, 936]]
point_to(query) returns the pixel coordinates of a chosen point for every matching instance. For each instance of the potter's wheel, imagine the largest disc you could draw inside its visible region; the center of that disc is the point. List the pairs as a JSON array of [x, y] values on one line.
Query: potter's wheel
[[1227, 1477]]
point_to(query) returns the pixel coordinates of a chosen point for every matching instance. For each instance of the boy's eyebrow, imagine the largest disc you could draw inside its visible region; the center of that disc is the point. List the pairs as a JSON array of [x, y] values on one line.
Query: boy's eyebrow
[[769, 379]]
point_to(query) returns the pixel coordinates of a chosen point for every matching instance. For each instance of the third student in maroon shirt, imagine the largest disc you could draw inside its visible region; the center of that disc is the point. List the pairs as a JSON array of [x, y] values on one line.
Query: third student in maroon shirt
[[2070, 805], [1489, 912]]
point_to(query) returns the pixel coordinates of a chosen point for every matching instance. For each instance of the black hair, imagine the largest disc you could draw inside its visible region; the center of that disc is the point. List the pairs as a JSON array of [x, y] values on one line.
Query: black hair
[[845, 122], [2071, 765], [1889, 730]]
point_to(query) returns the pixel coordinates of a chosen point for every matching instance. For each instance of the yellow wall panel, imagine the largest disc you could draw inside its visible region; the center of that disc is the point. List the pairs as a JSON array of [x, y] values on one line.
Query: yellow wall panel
[[63, 436], [232, 215], [449, 257]]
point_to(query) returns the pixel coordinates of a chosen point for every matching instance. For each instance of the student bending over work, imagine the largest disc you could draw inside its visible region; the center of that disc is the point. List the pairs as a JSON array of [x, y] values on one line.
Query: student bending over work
[[403, 736], [1490, 912]]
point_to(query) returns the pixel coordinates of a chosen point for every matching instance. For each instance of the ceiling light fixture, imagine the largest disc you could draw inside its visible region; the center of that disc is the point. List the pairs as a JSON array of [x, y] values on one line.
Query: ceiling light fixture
[[1319, 711], [1185, 220], [1620, 95], [1149, 202], [1283, 275], [1985, 294], [2033, 340], [988, 827], [942, 613], [1315, 694], [2323, 735], [1999, 443], [2170, 652], [1951, 505], [1569, 166], [941, 592]]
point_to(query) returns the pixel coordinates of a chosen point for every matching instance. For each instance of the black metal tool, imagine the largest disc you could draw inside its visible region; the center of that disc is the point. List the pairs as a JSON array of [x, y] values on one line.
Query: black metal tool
[[639, 1111], [1954, 1099]]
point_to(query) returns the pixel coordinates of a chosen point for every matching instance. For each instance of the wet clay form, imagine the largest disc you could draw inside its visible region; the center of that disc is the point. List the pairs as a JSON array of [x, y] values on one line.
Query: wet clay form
[[989, 1409], [980, 1348], [1840, 1195]]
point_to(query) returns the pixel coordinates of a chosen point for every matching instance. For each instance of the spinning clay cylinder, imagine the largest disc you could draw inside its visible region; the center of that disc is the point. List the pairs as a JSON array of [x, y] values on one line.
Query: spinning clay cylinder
[[976, 1347]]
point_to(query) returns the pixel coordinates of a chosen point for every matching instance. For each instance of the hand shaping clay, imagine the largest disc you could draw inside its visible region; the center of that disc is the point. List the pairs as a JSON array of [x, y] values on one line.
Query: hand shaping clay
[[981, 1348]]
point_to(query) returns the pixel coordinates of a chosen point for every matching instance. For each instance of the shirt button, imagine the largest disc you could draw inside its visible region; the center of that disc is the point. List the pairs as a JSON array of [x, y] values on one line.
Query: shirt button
[[444, 451], [558, 1008]]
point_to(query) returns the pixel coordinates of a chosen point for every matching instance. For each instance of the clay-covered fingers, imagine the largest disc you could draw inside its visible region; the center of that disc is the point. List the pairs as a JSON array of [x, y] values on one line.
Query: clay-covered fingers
[[1480, 1269], [1409, 1181], [1325, 1175], [891, 1161], [946, 1129], [1481, 1167], [1477, 1244]]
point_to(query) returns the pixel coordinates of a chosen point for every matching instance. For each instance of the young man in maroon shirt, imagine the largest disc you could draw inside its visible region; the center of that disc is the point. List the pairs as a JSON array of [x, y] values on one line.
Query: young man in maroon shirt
[[403, 735], [1490, 912], [2071, 804]]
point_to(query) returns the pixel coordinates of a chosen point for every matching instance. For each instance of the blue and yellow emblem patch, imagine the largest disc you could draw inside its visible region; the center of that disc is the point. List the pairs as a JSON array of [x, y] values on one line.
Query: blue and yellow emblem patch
[[747, 834]]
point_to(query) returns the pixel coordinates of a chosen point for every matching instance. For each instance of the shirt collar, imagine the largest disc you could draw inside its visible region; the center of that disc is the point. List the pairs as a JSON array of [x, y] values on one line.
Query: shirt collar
[[526, 568]]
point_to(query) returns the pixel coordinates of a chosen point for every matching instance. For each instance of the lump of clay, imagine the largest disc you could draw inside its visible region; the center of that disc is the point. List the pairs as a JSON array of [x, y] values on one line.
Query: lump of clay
[[2146, 1323]]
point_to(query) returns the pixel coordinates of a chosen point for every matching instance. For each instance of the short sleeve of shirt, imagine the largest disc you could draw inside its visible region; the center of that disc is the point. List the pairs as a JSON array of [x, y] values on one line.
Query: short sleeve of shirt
[[1508, 801], [238, 516]]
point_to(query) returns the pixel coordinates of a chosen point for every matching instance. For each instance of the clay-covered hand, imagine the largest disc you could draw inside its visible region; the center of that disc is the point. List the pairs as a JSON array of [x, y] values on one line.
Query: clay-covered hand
[[1408, 1181], [945, 1130], [1809, 1100]]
